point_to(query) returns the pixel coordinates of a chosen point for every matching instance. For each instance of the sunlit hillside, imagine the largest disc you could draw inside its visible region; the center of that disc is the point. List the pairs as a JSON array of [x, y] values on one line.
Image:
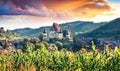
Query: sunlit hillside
[[7, 35]]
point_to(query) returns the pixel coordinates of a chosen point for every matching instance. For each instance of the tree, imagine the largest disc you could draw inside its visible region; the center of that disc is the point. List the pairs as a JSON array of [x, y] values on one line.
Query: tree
[[95, 41], [64, 33], [59, 45], [45, 43], [6, 45], [41, 37], [39, 45], [30, 46]]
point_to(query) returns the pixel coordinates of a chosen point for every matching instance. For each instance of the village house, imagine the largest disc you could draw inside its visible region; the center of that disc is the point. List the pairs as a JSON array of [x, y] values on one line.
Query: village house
[[56, 32]]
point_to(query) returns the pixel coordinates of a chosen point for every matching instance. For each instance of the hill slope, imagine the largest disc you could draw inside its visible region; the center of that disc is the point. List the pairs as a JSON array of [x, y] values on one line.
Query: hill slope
[[77, 26], [7, 35], [112, 29]]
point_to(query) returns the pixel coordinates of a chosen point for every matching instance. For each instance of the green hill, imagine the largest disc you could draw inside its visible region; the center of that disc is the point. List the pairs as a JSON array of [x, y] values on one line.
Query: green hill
[[112, 29], [77, 26], [7, 35]]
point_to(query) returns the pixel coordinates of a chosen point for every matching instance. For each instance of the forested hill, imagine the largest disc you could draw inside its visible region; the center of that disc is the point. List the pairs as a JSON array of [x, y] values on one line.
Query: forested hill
[[7, 35], [112, 29], [76, 26]]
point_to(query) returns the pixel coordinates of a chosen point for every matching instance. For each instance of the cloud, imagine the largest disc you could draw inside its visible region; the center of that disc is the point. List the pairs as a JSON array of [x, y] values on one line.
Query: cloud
[[21, 21], [29, 7], [80, 8], [61, 9]]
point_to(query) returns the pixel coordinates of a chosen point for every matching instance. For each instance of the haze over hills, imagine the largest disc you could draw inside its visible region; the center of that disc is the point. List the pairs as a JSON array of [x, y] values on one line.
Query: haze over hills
[[112, 30], [76, 26]]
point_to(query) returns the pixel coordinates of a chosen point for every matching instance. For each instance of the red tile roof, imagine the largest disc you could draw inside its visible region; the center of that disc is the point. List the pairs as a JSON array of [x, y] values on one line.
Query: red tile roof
[[56, 27]]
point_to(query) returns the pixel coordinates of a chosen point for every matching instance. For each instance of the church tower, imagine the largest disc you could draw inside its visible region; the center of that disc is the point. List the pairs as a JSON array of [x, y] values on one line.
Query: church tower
[[45, 37], [68, 35]]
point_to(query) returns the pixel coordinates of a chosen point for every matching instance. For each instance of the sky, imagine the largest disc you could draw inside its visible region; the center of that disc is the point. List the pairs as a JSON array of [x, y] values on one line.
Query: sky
[[36, 13]]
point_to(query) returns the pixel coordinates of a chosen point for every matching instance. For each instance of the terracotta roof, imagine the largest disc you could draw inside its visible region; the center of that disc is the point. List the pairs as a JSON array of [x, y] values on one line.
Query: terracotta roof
[[56, 27]]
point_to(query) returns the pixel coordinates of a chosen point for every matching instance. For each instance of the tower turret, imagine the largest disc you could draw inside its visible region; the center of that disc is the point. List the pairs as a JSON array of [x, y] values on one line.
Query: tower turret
[[44, 31], [68, 33], [69, 28], [45, 34]]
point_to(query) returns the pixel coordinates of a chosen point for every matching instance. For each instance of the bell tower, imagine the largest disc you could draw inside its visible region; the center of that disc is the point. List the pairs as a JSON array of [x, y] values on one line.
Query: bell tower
[[45, 35], [68, 35]]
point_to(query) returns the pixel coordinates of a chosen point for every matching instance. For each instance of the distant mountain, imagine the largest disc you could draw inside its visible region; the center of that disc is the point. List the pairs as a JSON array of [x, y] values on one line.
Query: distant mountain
[[112, 29], [77, 26]]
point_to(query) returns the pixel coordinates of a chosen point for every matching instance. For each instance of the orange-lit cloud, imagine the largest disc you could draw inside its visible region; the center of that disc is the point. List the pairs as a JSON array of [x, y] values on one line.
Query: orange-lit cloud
[[61, 9], [44, 12], [79, 8]]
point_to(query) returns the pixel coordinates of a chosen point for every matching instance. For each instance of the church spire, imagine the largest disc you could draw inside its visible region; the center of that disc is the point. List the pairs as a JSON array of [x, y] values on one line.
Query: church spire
[[44, 31], [69, 28]]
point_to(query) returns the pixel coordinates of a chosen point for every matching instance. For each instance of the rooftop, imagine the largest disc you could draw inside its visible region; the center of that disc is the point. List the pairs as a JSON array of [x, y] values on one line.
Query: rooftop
[[56, 27]]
